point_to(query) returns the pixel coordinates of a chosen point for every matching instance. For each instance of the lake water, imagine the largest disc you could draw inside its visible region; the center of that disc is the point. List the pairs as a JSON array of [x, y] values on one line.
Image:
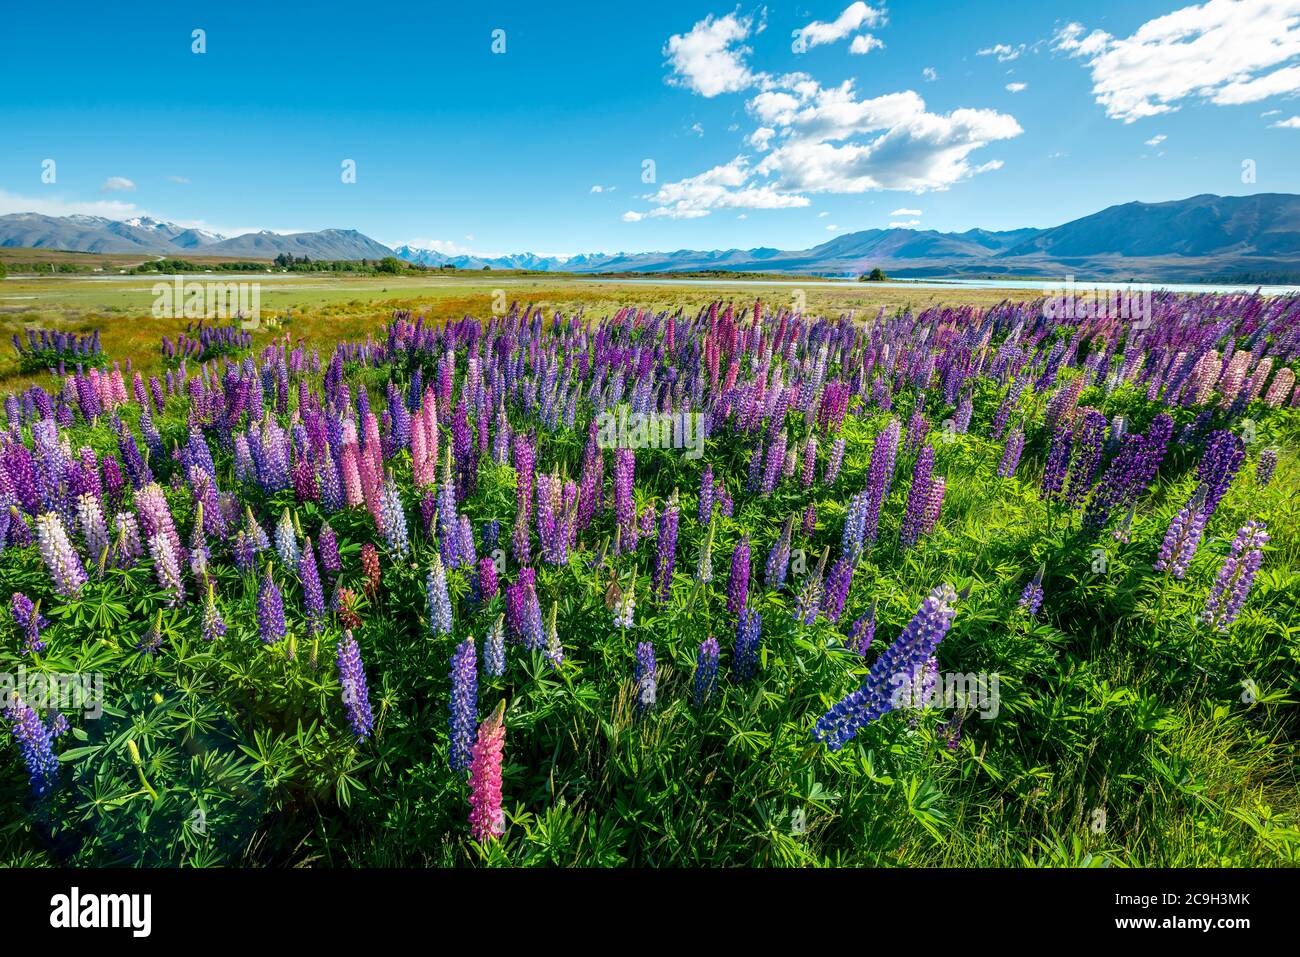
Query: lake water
[[1034, 285]]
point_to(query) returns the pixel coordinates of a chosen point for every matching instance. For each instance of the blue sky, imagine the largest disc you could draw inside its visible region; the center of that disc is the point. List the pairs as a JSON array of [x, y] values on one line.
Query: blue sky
[[949, 115]]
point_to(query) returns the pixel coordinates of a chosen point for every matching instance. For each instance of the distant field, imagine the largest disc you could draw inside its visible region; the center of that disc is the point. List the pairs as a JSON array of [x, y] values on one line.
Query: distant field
[[324, 309]]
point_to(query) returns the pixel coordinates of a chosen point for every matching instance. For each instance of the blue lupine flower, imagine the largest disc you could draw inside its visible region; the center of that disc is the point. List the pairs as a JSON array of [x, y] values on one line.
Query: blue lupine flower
[[463, 709]]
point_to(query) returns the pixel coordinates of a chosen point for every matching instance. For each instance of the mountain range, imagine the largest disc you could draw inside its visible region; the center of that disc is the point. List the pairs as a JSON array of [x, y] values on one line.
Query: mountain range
[[1203, 237]]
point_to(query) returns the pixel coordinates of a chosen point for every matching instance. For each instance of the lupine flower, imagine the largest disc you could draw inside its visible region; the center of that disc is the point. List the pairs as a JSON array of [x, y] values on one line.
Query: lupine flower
[[863, 632], [778, 559], [810, 594], [644, 676], [394, 519], [667, 551], [213, 625], [488, 583], [749, 632], [876, 697], [1015, 444], [704, 567], [370, 567], [1224, 453], [1232, 586], [270, 611], [1265, 466], [486, 820], [738, 583], [30, 622], [352, 681], [286, 543], [463, 709], [554, 647], [494, 648], [1031, 599], [837, 589], [706, 671], [90, 518], [918, 499], [1182, 538], [438, 598], [313, 595], [624, 608], [329, 551], [61, 559], [152, 638], [167, 568], [35, 744]]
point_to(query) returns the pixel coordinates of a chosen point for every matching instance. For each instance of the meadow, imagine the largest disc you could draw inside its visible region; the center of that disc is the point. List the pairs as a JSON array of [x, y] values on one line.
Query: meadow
[[429, 572]]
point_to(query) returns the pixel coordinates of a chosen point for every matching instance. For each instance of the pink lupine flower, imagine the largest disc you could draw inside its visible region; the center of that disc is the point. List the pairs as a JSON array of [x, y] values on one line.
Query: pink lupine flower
[[486, 820]]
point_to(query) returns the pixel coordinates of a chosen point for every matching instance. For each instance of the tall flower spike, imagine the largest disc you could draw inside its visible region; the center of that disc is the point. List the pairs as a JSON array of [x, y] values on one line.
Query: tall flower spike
[[645, 677], [899, 661], [352, 681], [438, 598], [706, 671], [463, 709], [486, 820], [1232, 586], [35, 744], [270, 611], [494, 649]]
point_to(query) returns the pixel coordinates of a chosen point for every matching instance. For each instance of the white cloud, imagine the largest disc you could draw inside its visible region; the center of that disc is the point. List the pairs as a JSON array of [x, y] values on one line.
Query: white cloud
[[55, 206], [743, 216], [724, 187], [930, 74], [1156, 140], [1003, 51], [1292, 124], [697, 129], [823, 214], [1269, 113], [761, 138], [115, 183], [906, 212], [855, 16], [905, 224], [865, 43], [1225, 52], [832, 227], [1016, 87], [183, 180], [710, 59], [631, 216]]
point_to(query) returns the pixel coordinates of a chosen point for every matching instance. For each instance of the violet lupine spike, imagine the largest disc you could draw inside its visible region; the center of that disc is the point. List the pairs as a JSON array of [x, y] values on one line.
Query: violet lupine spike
[[877, 696], [313, 594], [918, 498], [352, 682], [168, 569], [838, 583], [706, 672], [1031, 598], [35, 744], [749, 633], [1224, 453], [645, 676], [862, 632], [439, 600], [462, 716], [1011, 451], [1232, 585], [27, 616], [778, 559], [270, 611], [1265, 467], [666, 554], [738, 582], [1182, 539]]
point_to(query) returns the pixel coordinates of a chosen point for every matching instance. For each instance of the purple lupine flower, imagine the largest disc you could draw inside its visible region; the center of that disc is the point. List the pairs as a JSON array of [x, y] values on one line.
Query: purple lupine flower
[[835, 461], [61, 559], [244, 551], [899, 661], [494, 649], [774, 463], [880, 477], [666, 554], [213, 625], [1182, 538], [1058, 461], [738, 583], [809, 524], [463, 708], [30, 622], [706, 494], [487, 579], [749, 632], [645, 677], [863, 632], [809, 462], [329, 551], [270, 611], [1015, 445], [35, 744], [809, 600], [127, 546], [1031, 598], [435, 590], [918, 498], [352, 680], [1089, 443], [706, 671], [778, 559], [1232, 586], [1265, 466], [837, 589], [90, 518], [1224, 453], [313, 595]]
